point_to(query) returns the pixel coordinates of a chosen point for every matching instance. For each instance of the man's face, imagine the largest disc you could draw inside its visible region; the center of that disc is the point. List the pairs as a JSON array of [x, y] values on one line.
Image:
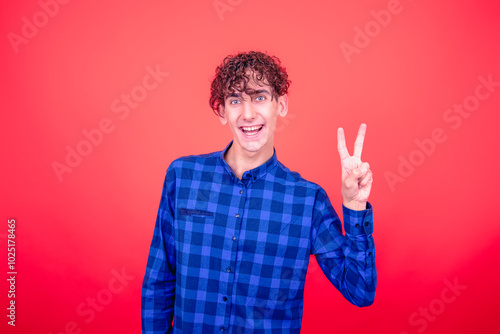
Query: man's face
[[252, 117]]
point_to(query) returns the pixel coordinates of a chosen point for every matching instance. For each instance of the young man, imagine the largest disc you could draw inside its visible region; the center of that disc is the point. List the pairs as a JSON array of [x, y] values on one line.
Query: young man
[[235, 228]]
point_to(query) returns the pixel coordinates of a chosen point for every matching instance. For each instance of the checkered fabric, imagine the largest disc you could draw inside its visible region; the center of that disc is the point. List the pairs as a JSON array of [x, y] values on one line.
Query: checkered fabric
[[231, 255]]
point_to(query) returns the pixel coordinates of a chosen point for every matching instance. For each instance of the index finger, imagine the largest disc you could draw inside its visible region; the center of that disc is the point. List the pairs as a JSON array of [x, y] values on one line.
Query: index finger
[[342, 148], [358, 144]]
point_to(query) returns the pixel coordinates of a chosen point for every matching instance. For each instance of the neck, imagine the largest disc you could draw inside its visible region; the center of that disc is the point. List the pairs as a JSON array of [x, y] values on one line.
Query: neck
[[241, 160]]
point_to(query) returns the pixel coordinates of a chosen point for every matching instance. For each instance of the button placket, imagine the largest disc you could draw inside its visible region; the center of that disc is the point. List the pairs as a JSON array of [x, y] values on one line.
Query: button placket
[[230, 269]]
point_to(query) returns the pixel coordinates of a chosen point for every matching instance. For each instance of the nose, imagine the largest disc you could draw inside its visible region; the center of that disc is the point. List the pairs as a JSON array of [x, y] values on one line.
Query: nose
[[249, 111]]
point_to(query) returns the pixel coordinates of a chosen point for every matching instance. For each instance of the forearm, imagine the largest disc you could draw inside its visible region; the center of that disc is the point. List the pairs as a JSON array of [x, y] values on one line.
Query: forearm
[[351, 266], [354, 279], [158, 286], [359, 249], [360, 275], [157, 305]]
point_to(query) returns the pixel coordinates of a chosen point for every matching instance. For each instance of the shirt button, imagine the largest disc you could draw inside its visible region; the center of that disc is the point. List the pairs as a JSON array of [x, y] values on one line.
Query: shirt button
[[224, 299], [228, 269], [241, 191], [369, 253], [234, 238], [222, 328], [237, 216], [357, 225], [366, 223]]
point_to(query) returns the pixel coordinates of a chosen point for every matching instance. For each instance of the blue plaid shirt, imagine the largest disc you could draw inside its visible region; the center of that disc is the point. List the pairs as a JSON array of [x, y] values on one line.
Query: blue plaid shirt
[[231, 255]]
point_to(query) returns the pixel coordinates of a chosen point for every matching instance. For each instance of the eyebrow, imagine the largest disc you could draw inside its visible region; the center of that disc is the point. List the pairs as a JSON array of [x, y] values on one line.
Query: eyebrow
[[260, 91], [255, 92], [235, 94]]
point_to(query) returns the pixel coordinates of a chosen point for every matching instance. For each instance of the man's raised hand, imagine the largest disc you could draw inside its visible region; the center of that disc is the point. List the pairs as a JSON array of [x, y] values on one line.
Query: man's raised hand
[[357, 177]]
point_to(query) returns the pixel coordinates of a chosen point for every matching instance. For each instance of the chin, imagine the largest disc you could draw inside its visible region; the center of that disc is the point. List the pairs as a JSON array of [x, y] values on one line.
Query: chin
[[252, 147]]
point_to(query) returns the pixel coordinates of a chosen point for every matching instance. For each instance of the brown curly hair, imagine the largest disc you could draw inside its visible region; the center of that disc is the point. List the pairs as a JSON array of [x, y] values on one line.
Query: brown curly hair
[[232, 75]]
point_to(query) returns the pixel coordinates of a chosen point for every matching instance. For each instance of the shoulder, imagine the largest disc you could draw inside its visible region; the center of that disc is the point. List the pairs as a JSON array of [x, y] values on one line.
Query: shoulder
[[295, 177], [195, 161]]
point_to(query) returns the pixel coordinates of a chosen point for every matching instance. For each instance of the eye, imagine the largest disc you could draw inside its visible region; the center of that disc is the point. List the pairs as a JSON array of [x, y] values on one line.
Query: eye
[[234, 102], [260, 98]]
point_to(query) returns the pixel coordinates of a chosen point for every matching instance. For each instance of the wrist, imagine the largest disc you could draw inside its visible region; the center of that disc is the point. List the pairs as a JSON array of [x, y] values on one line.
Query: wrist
[[356, 206]]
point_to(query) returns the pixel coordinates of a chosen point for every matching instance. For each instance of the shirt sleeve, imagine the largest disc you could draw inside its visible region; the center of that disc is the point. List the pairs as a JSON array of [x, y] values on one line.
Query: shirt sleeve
[[348, 261], [158, 287]]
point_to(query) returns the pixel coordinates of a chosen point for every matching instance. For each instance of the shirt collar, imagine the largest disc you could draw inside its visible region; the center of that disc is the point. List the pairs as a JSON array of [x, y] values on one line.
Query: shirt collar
[[253, 174]]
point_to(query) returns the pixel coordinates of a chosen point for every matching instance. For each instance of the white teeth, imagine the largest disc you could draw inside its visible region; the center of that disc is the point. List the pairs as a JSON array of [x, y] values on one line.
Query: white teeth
[[251, 128]]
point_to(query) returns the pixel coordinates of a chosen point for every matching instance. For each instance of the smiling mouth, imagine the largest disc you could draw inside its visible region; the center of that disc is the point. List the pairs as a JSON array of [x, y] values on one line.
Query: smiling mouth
[[251, 130]]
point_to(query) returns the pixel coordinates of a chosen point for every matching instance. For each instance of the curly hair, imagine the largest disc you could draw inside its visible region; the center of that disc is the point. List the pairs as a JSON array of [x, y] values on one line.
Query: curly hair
[[233, 74]]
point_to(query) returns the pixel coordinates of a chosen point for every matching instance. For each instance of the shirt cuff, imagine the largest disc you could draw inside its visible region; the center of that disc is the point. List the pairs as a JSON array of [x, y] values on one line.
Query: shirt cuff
[[358, 222]]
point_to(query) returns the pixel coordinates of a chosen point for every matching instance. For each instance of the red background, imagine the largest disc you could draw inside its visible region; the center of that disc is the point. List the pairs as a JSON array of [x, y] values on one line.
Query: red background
[[437, 223]]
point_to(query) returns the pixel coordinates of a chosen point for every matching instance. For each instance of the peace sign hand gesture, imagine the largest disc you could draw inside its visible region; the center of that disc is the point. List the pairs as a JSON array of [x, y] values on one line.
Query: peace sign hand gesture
[[357, 177]]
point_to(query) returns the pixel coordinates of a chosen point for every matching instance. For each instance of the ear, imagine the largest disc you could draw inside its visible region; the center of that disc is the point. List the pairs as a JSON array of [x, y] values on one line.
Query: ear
[[283, 105], [222, 114]]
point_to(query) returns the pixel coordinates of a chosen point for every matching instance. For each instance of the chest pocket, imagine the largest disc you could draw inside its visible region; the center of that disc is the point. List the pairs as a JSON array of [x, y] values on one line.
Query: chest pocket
[[192, 225], [195, 213]]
